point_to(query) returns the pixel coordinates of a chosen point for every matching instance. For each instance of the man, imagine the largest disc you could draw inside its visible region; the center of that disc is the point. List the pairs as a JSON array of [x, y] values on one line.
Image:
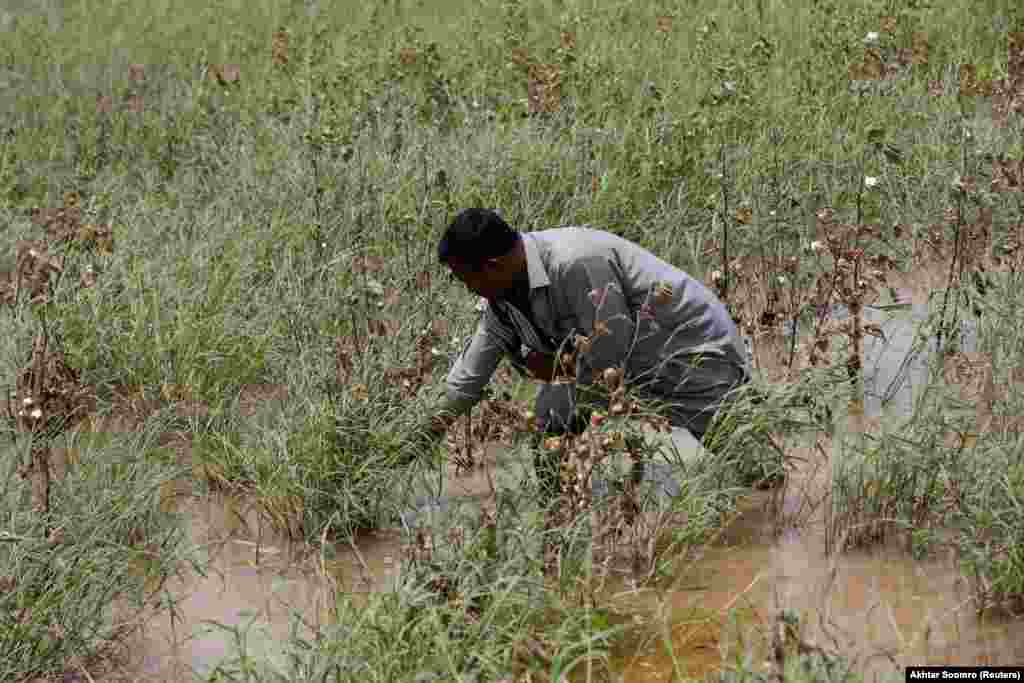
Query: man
[[616, 304]]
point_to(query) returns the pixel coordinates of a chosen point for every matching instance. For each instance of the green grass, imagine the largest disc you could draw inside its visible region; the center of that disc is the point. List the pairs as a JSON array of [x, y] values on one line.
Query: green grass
[[239, 211], [80, 590]]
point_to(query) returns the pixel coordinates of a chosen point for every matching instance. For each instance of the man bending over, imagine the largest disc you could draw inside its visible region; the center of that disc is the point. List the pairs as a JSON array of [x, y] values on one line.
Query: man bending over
[[614, 303]]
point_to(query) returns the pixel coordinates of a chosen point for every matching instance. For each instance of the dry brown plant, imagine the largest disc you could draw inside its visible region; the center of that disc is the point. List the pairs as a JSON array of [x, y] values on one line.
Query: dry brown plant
[[544, 88], [567, 39], [64, 225], [1008, 96], [1007, 175], [49, 396], [871, 68], [520, 57], [279, 43], [136, 73], [919, 48], [408, 56], [224, 74], [104, 104]]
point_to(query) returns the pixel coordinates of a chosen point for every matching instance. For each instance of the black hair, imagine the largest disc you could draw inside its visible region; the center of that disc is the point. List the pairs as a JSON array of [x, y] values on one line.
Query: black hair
[[474, 236]]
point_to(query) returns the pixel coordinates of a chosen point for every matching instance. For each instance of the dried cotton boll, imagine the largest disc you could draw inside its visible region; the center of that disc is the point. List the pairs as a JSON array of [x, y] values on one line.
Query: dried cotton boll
[[663, 293], [615, 440], [612, 377]]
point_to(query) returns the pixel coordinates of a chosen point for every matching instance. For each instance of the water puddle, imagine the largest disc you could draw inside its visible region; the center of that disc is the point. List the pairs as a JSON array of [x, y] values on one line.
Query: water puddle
[[896, 365], [249, 574]]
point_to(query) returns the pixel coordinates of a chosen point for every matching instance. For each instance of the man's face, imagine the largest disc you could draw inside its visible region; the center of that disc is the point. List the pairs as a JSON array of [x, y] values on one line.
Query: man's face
[[487, 280]]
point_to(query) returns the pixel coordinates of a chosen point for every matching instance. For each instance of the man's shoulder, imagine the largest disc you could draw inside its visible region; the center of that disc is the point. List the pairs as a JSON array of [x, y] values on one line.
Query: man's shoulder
[[566, 244], [568, 232]]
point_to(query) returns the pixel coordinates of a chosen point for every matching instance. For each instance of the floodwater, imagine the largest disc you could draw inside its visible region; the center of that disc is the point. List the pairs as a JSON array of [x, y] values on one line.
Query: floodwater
[[253, 580], [881, 609]]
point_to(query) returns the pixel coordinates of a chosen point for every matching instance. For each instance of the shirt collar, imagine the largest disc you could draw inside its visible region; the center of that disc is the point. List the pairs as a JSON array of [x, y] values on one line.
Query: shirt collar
[[535, 271]]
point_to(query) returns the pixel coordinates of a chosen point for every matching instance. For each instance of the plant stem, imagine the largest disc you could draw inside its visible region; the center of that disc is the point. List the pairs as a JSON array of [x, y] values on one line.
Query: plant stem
[[956, 256], [725, 226], [856, 305]]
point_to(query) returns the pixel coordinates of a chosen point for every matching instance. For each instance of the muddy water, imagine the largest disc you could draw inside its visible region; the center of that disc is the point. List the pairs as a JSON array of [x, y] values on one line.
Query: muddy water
[[251, 580], [880, 609], [254, 577]]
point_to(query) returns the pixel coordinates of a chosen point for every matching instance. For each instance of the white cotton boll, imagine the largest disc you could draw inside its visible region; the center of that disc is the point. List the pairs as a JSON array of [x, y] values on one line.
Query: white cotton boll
[[870, 181], [871, 38]]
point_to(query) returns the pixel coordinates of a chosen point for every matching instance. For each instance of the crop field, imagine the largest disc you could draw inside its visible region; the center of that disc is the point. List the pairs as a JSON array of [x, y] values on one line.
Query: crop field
[[223, 320]]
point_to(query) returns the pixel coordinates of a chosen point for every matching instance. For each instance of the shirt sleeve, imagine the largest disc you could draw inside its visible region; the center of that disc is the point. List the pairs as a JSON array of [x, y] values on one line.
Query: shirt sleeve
[[599, 304], [476, 364]]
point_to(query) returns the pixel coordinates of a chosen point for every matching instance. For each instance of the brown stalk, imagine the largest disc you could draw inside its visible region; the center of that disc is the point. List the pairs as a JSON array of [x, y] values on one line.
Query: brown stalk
[[39, 469], [952, 271]]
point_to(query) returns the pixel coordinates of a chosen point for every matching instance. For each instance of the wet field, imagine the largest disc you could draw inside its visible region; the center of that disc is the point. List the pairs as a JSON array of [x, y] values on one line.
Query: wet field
[[881, 607]]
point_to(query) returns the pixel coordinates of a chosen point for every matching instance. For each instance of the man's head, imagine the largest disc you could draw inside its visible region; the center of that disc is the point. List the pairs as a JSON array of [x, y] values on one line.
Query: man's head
[[484, 252]]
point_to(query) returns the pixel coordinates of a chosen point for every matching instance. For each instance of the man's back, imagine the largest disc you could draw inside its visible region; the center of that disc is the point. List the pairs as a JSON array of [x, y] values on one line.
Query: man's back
[[683, 316]]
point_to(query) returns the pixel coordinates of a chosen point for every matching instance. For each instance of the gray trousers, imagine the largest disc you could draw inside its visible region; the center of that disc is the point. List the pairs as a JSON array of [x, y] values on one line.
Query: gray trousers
[[692, 394]]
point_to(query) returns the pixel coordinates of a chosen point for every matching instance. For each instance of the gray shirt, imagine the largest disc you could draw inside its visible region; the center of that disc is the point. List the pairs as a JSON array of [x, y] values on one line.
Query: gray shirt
[[651, 317]]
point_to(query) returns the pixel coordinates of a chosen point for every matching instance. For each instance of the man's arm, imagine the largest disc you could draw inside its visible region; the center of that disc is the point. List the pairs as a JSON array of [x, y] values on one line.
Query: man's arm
[[475, 366]]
